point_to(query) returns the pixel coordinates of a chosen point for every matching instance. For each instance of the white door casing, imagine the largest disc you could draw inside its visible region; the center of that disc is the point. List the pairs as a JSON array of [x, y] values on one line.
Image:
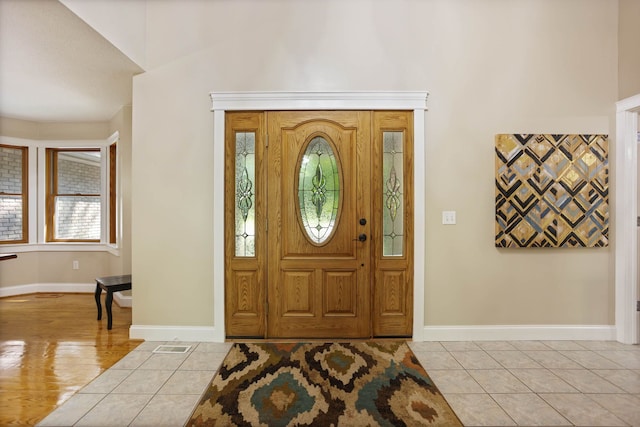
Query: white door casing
[[626, 206], [415, 101]]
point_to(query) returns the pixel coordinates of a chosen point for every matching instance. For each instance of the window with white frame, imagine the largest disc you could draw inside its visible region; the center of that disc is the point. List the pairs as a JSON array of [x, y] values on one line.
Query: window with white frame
[[74, 197], [57, 191], [13, 194]]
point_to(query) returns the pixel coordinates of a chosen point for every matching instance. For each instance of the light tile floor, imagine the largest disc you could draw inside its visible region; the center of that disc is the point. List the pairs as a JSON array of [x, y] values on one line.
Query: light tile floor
[[487, 383], [144, 389], [536, 383]]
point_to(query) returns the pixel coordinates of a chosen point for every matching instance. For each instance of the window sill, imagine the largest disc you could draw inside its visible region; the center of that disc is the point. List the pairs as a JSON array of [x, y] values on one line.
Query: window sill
[[61, 247]]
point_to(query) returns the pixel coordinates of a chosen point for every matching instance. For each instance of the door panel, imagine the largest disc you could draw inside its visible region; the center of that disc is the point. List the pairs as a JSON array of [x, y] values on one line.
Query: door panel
[[340, 293], [318, 289], [298, 293]]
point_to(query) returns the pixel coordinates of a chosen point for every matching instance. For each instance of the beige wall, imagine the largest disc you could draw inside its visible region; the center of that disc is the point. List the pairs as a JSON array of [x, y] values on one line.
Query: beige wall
[[53, 130], [491, 66], [629, 48], [56, 267], [53, 267]]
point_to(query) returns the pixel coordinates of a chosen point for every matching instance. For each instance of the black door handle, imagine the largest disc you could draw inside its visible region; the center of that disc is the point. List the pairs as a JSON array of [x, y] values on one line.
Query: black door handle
[[362, 237]]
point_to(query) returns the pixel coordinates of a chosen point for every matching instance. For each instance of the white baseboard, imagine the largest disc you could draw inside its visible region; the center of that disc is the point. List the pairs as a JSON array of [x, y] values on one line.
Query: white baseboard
[[429, 333], [10, 291], [520, 332], [19, 290], [122, 300], [174, 333], [47, 287]]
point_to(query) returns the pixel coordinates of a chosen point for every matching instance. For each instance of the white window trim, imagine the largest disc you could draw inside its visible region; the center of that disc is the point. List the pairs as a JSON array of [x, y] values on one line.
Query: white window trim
[[37, 196], [265, 101]]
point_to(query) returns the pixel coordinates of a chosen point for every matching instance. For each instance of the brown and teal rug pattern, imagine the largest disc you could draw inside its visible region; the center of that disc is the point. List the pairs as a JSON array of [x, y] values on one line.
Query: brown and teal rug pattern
[[322, 384]]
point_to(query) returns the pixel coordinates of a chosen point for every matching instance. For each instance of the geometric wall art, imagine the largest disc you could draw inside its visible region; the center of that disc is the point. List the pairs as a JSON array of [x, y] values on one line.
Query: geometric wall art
[[552, 190]]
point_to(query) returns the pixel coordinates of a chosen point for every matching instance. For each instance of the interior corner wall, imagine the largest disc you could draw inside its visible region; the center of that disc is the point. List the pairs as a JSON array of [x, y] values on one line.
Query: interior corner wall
[[486, 72], [629, 48]]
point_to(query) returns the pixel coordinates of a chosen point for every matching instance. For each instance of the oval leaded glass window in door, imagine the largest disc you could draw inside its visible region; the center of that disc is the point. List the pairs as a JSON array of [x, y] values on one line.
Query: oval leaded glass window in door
[[319, 192]]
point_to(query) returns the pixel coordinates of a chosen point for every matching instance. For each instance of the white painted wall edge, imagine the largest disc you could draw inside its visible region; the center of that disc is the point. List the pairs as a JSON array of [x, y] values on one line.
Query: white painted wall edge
[[173, 333], [520, 333], [10, 291]]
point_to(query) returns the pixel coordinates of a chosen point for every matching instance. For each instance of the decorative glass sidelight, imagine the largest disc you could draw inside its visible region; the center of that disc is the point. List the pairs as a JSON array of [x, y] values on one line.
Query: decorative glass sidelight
[[319, 190], [245, 214], [392, 194]]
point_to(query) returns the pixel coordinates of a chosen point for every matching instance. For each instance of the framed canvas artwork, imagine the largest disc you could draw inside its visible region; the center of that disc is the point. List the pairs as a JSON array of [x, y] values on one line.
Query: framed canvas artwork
[[551, 190]]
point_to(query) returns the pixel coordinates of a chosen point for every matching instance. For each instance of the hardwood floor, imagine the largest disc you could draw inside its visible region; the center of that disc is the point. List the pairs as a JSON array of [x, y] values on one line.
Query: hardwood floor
[[51, 345]]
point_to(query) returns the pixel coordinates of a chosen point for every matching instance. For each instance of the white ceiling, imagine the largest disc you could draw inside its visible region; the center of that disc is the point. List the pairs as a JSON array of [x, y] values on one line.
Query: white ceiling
[[54, 67]]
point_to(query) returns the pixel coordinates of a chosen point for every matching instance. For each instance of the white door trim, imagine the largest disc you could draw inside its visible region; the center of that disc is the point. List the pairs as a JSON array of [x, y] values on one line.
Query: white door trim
[[271, 101], [626, 234]]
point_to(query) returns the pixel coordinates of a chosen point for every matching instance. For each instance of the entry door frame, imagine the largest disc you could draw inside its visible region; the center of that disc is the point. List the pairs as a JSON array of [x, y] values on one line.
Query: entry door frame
[[415, 101], [626, 228]]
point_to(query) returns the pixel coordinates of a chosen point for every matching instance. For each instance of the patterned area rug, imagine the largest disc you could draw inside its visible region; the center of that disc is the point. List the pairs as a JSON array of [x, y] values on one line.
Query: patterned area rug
[[322, 384]]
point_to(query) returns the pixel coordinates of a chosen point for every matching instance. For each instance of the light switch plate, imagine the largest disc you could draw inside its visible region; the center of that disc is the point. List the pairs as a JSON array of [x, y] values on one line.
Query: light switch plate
[[448, 217]]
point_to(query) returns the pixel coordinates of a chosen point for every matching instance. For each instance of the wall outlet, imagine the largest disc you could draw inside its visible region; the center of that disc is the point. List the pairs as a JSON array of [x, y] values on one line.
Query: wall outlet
[[448, 217], [76, 265]]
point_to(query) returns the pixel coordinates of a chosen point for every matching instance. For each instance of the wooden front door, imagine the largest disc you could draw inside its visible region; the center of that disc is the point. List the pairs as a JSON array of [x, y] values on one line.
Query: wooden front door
[[319, 205], [318, 224]]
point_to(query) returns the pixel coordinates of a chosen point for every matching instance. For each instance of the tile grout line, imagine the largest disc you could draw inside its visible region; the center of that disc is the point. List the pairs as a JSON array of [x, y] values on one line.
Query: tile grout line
[[135, 370], [105, 394], [487, 392], [152, 396]]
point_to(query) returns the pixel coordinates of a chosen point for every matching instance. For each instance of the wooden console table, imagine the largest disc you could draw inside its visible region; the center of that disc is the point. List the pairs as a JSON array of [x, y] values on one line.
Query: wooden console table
[[110, 284]]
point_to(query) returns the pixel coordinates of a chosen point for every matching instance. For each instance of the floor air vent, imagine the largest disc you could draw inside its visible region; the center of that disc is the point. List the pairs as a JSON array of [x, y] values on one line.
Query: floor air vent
[[172, 349]]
